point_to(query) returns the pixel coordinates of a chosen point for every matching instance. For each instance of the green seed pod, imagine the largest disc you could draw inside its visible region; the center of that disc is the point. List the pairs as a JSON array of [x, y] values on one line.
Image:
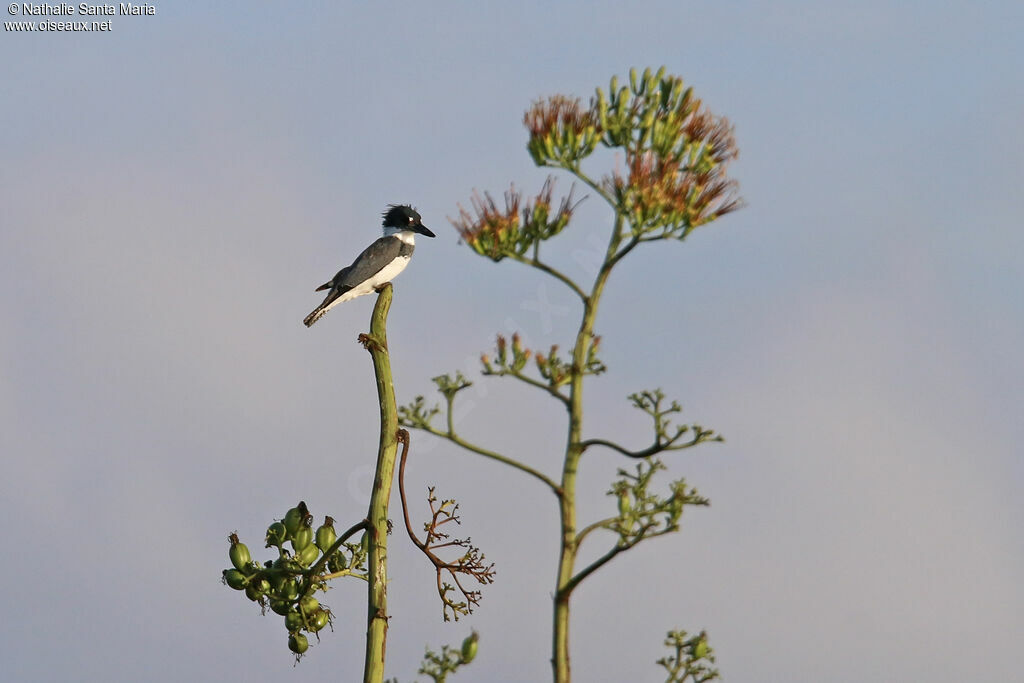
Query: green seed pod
[[292, 620], [277, 584], [289, 590], [298, 643], [294, 518], [325, 535], [281, 607], [308, 555], [469, 647], [276, 534], [257, 589], [632, 79], [239, 553], [308, 604], [302, 537], [318, 620], [287, 564], [613, 87], [234, 578], [337, 562]]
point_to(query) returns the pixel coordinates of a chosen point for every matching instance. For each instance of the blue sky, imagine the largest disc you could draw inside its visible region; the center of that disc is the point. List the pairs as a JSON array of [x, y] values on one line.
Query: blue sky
[[173, 190]]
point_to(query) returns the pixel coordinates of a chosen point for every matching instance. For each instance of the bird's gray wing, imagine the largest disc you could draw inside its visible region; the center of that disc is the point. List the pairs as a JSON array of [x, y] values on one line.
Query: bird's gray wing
[[379, 254]]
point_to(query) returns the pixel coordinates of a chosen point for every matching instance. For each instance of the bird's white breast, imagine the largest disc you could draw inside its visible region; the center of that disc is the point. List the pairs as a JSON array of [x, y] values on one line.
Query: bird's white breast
[[388, 272], [385, 274]]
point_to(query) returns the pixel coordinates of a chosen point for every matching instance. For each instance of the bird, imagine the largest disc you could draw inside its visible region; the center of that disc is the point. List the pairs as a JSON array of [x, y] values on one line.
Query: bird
[[379, 263]]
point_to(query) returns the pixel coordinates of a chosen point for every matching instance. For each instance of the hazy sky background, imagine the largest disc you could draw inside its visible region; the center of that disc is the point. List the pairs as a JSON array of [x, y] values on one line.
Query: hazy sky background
[[172, 191]]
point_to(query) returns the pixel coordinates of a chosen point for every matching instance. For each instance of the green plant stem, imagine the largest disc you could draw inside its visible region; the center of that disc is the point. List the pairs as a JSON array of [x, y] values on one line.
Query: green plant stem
[[377, 516], [566, 582]]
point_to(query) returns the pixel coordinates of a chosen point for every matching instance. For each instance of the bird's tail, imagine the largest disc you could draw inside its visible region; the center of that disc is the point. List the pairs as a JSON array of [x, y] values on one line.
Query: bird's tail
[[317, 313]]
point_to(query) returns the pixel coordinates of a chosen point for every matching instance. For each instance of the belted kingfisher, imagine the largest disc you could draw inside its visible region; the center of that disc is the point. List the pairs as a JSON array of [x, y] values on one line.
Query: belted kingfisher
[[378, 264]]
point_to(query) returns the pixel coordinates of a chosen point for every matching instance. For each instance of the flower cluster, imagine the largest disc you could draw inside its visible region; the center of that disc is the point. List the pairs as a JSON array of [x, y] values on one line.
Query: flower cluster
[[643, 514], [676, 155], [561, 132], [512, 231], [661, 196]]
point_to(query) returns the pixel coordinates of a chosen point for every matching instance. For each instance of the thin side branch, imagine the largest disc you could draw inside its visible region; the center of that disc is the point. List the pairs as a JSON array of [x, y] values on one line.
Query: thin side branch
[[656, 447], [470, 563], [459, 441], [607, 523], [535, 262], [417, 416], [512, 365], [358, 526], [586, 180], [533, 383], [578, 578], [664, 438]]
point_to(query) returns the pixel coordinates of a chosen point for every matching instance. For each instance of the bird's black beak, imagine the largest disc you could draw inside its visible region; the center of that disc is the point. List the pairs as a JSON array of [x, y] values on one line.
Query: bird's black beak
[[423, 230]]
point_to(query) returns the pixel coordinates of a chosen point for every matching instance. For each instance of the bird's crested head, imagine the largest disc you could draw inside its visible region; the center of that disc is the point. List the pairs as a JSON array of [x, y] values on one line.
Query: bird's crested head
[[401, 217]]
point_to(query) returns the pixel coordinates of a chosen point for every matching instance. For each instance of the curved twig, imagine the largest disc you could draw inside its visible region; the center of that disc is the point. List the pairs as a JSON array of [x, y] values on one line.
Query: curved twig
[[470, 563]]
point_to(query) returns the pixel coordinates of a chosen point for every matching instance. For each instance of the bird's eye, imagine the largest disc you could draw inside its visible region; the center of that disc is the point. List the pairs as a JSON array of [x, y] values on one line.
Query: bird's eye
[[411, 219]]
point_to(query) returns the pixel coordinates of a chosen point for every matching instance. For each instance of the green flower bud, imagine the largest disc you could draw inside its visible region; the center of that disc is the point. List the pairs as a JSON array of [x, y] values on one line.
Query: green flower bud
[[700, 650], [623, 99], [469, 647], [549, 147], [625, 506]]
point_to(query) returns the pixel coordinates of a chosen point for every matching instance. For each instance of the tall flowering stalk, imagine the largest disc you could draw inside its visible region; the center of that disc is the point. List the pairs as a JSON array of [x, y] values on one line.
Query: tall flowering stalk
[[675, 155]]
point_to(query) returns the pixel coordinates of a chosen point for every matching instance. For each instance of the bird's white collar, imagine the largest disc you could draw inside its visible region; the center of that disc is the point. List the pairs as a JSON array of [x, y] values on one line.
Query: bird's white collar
[[407, 236]]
